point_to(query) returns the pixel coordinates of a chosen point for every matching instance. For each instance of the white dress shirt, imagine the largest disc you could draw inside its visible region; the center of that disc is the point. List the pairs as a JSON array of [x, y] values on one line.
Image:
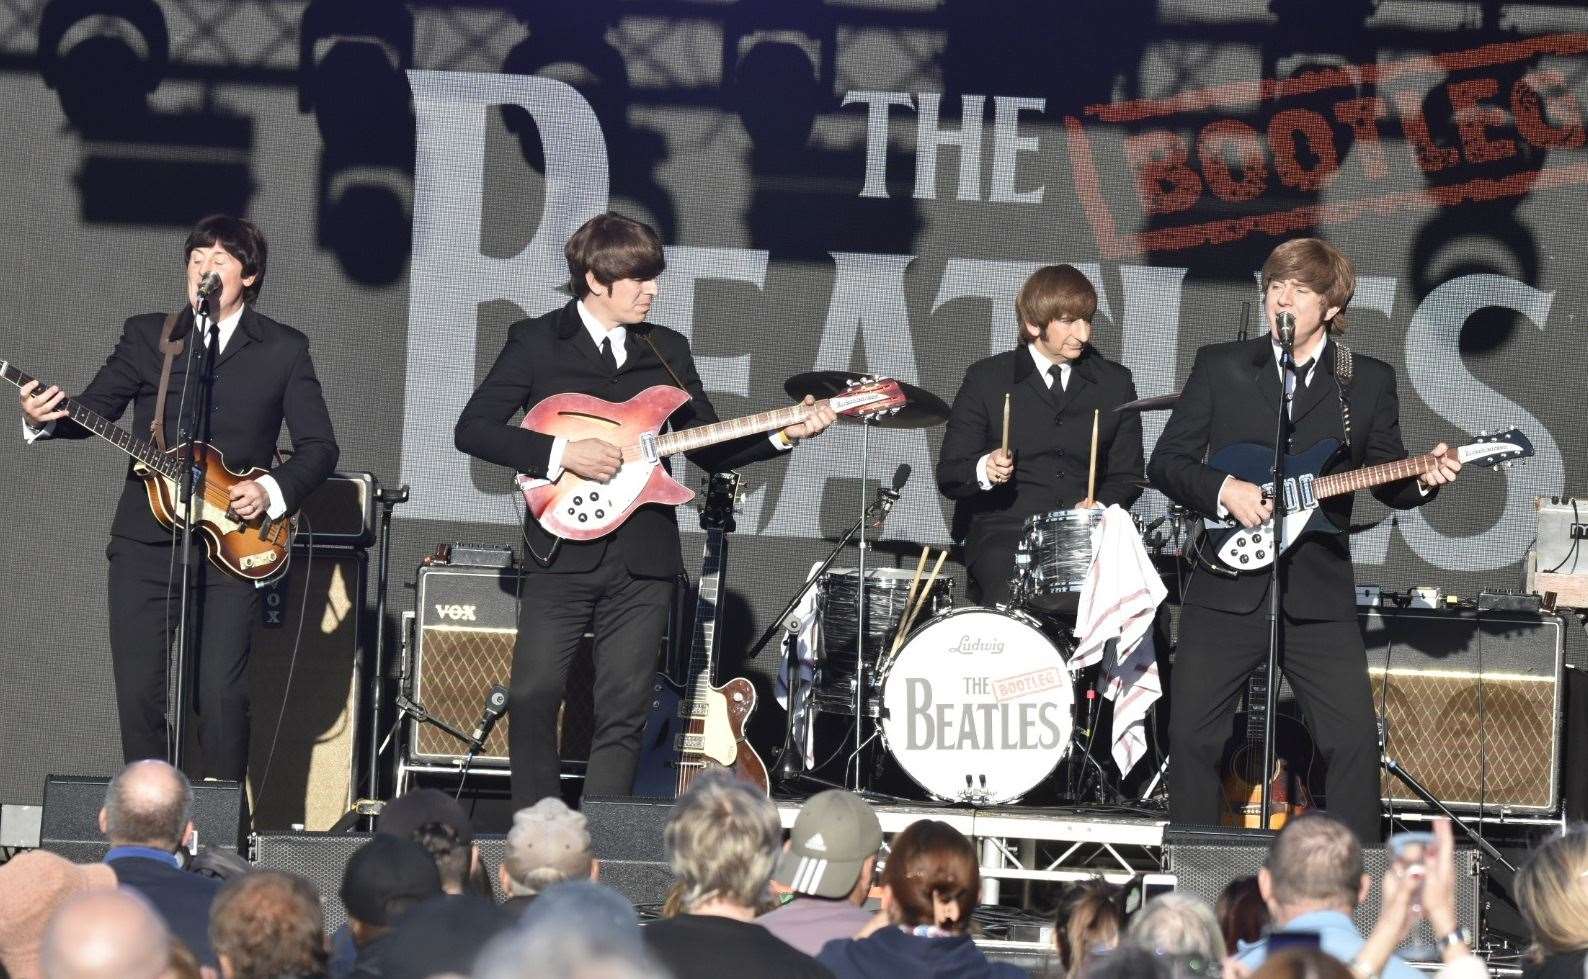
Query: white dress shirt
[[1043, 364]]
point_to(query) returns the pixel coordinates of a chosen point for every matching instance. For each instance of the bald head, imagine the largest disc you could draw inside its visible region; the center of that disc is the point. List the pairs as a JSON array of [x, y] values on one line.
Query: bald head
[[148, 803], [1315, 862], [105, 935]]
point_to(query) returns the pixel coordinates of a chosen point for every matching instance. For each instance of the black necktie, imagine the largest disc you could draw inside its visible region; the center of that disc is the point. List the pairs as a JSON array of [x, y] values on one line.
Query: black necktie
[[1055, 372], [606, 355], [1303, 371]]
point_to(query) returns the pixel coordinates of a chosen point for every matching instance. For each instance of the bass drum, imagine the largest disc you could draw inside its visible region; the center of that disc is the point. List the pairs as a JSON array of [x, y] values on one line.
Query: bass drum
[[978, 706]]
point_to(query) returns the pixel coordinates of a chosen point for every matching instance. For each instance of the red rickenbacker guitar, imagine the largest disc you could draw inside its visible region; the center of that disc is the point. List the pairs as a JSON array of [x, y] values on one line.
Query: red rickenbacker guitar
[[575, 508], [252, 550]]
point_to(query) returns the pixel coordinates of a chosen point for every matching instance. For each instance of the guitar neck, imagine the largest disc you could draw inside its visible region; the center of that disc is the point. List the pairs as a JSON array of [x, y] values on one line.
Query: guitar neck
[[1359, 479], [703, 648], [690, 439], [141, 450]]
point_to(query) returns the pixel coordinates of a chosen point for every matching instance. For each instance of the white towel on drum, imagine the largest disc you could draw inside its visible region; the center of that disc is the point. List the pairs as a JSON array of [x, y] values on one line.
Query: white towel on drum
[[801, 648], [1119, 600]]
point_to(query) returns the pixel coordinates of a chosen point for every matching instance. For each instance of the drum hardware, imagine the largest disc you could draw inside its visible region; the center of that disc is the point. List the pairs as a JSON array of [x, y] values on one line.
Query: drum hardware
[[1155, 403]]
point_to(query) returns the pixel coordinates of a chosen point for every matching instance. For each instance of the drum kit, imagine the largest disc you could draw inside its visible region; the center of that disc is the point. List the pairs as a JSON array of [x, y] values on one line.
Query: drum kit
[[972, 704]]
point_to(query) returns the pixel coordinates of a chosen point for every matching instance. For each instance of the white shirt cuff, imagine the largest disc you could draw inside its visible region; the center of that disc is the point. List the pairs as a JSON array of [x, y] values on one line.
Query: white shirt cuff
[[278, 504], [554, 459], [981, 472], [1224, 511], [31, 434], [781, 441]]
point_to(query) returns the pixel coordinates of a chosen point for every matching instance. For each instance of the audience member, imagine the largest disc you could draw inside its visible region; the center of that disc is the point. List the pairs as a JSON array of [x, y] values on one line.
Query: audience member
[[438, 822], [722, 839], [828, 864], [114, 934], [442, 936], [147, 817], [268, 924], [577, 929], [1552, 892], [1421, 882], [183, 964], [1090, 920], [1241, 912], [929, 888], [1302, 963], [1128, 962], [1182, 927], [384, 879], [1312, 880], [548, 843], [32, 886]]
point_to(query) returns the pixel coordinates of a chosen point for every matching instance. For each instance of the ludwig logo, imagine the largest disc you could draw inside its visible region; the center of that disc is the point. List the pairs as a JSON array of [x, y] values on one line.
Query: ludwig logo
[[976, 644], [456, 613]]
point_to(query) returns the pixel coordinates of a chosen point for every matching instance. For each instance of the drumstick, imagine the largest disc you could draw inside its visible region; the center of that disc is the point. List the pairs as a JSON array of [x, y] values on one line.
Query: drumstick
[[1091, 470], [909, 598], [1006, 423], [926, 590]]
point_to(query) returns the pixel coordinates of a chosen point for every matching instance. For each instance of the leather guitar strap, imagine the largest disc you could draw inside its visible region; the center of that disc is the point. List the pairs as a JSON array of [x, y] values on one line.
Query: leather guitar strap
[[646, 336], [172, 350], [1342, 376]]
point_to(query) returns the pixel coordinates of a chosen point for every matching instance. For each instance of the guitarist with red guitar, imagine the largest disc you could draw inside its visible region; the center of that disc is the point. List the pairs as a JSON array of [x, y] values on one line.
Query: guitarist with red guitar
[[600, 383], [263, 376], [1227, 412]]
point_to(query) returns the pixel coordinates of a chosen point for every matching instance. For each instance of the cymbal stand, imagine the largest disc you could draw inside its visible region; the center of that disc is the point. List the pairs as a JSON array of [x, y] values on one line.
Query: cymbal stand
[[860, 614]]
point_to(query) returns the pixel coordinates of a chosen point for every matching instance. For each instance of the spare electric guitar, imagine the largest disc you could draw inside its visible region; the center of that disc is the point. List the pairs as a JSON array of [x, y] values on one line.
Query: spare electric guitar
[[700, 726], [254, 550], [1242, 768], [1240, 549], [575, 508]]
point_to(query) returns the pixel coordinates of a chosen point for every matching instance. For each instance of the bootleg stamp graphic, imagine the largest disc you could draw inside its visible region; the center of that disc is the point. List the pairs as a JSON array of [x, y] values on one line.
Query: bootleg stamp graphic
[[1026, 684]]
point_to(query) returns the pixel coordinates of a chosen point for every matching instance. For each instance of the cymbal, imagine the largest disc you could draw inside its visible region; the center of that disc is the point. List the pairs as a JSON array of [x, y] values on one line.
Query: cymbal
[[922, 408], [1156, 403]]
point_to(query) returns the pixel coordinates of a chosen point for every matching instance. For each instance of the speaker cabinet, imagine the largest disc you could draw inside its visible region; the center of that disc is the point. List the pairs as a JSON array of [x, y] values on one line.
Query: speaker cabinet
[[305, 675], [69, 824], [1472, 705]]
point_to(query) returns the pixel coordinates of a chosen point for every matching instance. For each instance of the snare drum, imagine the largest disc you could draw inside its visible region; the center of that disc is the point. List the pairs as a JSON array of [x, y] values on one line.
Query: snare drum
[[886, 592], [978, 706], [1054, 552]]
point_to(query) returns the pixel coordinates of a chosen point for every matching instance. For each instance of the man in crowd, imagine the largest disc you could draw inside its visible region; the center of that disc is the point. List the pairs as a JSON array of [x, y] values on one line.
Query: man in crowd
[[827, 865], [267, 924], [105, 935], [437, 822], [621, 584], [1054, 384], [1312, 881], [263, 375], [147, 819], [384, 879], [549, 843], [722, 840]]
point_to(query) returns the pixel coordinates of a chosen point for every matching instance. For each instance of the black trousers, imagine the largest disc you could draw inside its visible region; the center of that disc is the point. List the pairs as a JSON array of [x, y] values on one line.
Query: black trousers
[[1326, 664], [145, 589], [629, 614]]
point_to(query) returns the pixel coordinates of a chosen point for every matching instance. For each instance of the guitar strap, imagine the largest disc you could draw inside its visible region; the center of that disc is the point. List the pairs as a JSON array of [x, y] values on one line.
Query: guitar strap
[[646, 336], [172, 350], [1342, 376]]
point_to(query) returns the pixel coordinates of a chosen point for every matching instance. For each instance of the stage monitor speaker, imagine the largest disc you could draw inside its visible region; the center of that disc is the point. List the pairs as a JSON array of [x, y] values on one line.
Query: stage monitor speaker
[[1203, 867], [69, 824], [306, 677], [467, 622], [1472, 705], [322, 859], [627, 828]]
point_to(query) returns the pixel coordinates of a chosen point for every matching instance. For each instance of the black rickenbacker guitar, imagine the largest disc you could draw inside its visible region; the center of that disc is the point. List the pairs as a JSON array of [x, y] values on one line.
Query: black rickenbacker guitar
[[254, 550], [1239, 549], [699, 726]]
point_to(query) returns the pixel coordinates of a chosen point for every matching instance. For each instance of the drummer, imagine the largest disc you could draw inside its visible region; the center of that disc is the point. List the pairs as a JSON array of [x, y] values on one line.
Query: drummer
[[1053, 381]]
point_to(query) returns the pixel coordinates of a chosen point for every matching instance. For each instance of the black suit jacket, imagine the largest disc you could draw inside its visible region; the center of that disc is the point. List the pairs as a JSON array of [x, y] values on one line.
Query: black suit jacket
[[1050, 433], [263, 377], [1234, 395], [183, 899], [553, 354]]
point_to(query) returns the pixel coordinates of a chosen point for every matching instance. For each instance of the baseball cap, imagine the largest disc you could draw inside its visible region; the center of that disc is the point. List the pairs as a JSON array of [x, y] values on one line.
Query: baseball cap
[[385, 869], [406, 813], [548, 835], [832, 837]]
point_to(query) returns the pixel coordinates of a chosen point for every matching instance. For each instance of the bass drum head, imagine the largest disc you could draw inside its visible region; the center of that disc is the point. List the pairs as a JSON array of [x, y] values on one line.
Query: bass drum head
[[978, 706]]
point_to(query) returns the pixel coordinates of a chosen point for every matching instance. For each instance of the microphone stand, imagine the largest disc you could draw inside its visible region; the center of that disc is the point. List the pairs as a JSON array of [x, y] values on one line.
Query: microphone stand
[[194, 416], [388, 500], [1287, 364]]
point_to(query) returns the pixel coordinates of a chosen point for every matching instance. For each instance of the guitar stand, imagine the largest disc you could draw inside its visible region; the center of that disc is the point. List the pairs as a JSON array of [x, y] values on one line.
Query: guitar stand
[[1407, 779]]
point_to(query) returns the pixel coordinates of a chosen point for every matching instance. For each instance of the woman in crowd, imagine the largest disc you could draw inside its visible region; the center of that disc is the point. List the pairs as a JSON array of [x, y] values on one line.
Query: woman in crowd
[[1242, 913], [1091, 918], [1552, 892], [929, 888]]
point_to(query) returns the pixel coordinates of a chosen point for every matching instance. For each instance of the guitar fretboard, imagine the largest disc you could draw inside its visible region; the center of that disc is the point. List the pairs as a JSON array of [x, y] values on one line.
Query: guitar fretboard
[[691, 439], [702, 650], [140, 449], [1359, 479]]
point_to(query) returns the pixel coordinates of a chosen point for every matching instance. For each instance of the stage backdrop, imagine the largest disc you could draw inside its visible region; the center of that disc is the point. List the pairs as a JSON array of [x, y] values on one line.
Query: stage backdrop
[[856, 185]]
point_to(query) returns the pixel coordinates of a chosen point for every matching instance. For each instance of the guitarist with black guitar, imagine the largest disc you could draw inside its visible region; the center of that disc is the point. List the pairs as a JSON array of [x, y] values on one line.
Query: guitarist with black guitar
[[1231, 399], [263, 376]]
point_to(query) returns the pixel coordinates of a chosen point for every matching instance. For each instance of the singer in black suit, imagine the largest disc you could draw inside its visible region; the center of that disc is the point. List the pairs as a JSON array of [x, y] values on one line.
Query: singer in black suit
[[263, 377], [622, 584], [1234, 395], [1055, 382]]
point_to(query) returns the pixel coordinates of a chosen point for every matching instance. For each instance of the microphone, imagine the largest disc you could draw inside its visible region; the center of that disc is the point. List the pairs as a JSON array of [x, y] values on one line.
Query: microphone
[[495, 707], [209, 285], [901, 476], [1287, 330], [887, 497]]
